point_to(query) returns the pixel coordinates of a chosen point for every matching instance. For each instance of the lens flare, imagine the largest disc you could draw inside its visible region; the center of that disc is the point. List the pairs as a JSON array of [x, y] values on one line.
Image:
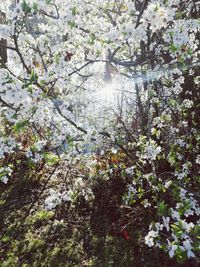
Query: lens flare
[[107, 93]]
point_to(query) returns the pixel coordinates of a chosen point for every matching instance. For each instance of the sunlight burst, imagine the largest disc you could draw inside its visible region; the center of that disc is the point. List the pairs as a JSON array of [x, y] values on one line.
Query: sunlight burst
[[107, 94]]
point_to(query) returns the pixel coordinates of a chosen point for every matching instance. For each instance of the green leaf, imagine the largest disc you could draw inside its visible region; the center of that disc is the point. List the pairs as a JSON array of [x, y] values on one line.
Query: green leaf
[[48, 2], [20, 126], [196, 229], [33, 77], [50, 158], [25, 7], [35, 7], [72, 24], [74, 10], [162, 209], [173, 48]]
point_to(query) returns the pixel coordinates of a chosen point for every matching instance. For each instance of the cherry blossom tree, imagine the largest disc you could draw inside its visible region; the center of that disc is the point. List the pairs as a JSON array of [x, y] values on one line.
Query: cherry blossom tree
[[112, 86]]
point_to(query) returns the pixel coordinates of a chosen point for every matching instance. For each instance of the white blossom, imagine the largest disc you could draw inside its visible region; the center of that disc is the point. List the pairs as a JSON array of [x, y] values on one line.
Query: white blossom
[[173, 248], [187, 245], [149, 238], [152, 150], [197, 159]]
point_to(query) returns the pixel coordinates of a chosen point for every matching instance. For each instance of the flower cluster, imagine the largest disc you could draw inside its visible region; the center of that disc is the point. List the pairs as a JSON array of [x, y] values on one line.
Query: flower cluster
[[5, 173], [55, 198]]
